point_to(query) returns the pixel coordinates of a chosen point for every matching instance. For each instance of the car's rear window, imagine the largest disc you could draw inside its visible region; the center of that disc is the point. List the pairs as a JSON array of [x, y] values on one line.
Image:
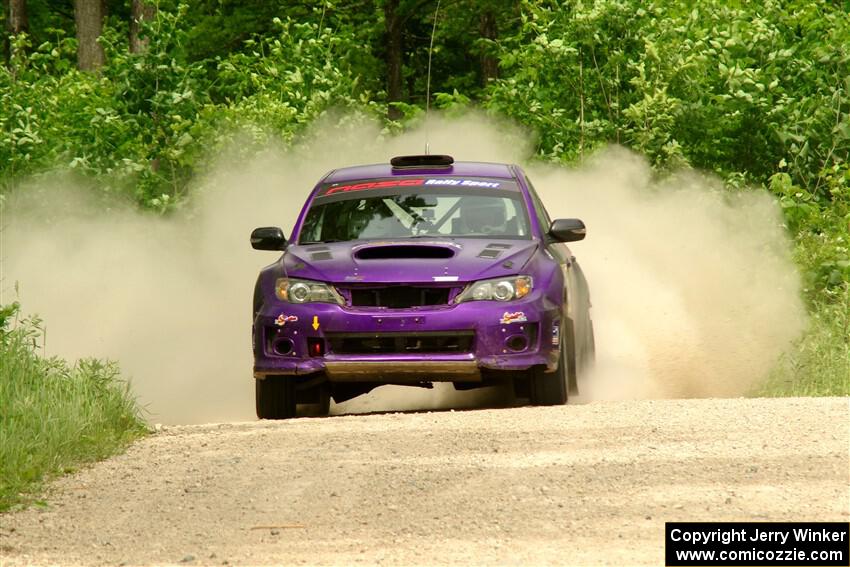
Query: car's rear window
[[416, 207]]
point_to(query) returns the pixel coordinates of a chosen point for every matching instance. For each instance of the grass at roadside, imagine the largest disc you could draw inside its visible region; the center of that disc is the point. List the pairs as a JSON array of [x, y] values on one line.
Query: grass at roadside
[[54, 416], [820, 364]]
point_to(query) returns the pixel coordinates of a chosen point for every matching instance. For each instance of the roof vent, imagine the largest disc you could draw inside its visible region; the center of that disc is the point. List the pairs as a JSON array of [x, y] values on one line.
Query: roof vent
[[424, 161]]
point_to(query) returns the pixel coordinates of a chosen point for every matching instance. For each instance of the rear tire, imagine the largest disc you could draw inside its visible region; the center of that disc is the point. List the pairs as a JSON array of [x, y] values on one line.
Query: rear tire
[[590, 356], [275, 397], [568, 350]]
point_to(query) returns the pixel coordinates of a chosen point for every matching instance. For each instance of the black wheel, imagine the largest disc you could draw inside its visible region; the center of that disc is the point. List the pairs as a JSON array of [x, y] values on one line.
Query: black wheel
[[590, 354], [568, 353], [324, 399], [317, 402], [275, 397], [314, 401], [551, 389]]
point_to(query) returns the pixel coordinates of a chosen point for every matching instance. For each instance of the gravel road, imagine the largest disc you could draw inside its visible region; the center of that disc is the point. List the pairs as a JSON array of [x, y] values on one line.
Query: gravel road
[[583, 484]]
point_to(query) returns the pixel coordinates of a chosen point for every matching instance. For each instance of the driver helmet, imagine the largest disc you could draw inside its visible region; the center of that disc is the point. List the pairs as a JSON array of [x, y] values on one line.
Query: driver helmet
[[486, 215]]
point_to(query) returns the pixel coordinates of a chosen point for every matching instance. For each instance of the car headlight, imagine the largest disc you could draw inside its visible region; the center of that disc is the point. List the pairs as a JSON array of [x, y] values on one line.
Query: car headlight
[[498, 289], [306, 291]]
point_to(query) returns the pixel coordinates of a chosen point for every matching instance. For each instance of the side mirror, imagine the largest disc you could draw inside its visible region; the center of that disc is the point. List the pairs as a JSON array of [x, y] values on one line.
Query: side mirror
[[268, 238], [567, 230]]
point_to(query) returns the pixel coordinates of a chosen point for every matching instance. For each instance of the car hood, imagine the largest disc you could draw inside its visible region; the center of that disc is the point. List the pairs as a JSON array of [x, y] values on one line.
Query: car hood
[[409, 260]]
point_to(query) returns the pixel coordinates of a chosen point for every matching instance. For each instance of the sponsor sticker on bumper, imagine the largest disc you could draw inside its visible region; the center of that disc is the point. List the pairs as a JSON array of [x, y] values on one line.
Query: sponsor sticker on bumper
[[283, 319], [515, 317]]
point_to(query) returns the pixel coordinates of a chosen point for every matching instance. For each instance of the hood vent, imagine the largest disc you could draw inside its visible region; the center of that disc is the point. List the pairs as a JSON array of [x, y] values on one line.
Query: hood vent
[[402, 252], [320, 253], [493, 251]]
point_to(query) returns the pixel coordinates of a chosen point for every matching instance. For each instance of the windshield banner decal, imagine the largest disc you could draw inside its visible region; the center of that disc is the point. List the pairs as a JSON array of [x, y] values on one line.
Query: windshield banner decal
[[463, 183], [375, 185], [416, 182]]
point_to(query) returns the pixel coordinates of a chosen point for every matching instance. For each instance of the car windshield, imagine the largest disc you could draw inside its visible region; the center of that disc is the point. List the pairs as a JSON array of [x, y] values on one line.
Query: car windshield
[[407, 212]]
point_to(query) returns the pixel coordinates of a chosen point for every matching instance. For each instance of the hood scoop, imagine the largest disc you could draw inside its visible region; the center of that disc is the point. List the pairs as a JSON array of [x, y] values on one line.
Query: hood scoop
[[404, 252]]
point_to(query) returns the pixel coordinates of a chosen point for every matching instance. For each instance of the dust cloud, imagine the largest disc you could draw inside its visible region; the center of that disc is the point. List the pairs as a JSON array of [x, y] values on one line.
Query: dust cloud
[[693, 290]]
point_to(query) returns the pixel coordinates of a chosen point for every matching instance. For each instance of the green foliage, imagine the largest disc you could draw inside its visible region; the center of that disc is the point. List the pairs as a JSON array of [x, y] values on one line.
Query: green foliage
[[719, 86], [290, 79], [821, 226], [820, 366], [565, 74], [148, 121], [54, 416], [159, 98], [459, 44]]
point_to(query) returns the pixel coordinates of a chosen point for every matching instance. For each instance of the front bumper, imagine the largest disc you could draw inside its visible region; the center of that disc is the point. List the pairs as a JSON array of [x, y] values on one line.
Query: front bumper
[[512, 335]]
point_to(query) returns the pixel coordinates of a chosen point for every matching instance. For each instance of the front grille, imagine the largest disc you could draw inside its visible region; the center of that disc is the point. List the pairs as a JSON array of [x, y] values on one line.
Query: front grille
[[399, 296], [400, 343]]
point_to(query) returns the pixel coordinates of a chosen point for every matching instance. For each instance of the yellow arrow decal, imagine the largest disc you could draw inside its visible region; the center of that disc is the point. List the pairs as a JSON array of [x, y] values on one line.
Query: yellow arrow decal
[[315, 322]]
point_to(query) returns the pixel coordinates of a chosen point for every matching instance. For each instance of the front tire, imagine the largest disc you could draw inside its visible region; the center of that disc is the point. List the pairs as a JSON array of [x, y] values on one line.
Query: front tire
[[550, 389], [275, 397]]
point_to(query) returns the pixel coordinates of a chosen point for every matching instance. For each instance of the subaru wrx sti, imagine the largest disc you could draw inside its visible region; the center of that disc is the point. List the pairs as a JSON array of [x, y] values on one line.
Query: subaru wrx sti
[[418, 271]]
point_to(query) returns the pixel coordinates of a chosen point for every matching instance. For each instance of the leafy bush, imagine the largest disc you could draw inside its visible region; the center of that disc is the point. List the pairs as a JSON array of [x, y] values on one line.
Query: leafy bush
[[820, 365], [148, 121], [726, 88], [54, 416], [821, 228], [285, 82]]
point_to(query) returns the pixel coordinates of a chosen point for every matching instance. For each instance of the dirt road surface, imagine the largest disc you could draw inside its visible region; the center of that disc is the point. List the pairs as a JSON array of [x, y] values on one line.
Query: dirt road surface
[[575, 485]]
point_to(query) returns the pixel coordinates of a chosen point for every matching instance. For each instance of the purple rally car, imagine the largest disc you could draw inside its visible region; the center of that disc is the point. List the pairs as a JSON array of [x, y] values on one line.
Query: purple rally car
[[417, 271]]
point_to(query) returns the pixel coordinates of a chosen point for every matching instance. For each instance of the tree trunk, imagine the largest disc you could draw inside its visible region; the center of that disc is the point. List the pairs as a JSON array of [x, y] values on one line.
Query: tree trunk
[[16, 17], [140, 11], [394, 56], [487, 29], [88, 16], [16, 22]]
